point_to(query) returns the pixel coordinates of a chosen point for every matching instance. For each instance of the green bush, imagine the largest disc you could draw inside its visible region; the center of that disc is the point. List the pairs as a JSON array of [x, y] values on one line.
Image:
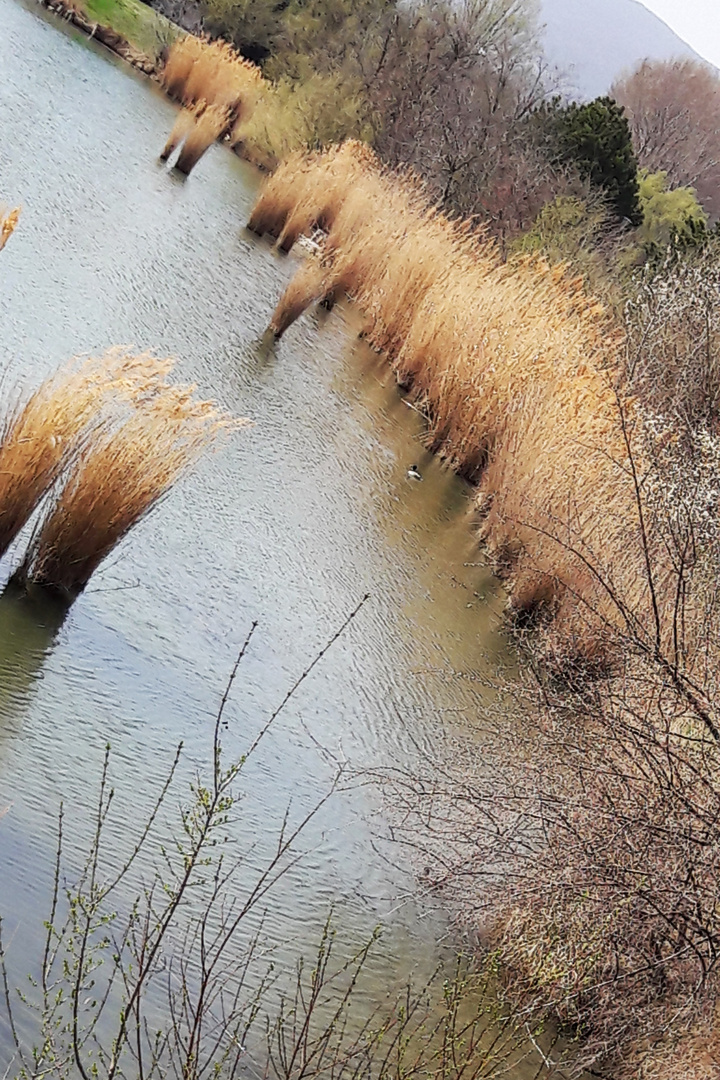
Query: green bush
[[672, 217]]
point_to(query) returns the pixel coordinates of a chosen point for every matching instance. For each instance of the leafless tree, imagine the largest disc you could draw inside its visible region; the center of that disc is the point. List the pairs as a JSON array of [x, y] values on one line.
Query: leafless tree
[[453, 92], [674, 111]]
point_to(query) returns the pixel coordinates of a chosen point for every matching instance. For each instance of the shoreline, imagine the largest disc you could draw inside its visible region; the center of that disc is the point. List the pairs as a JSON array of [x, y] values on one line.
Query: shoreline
[[106, 35], [119, 45]]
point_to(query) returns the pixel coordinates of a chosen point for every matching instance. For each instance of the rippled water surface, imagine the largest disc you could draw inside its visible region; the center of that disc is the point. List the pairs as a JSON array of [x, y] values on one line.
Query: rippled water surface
[[290, 522]]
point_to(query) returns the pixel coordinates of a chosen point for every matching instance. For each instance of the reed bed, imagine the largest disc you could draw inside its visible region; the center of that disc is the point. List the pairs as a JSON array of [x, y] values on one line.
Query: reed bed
[[117, 478], [8, 221], [38, 438], [513, 364], [219, 90]]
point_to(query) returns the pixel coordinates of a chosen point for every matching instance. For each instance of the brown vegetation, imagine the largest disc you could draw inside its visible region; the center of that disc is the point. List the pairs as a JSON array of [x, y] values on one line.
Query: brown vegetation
[[208, 127], [198, 70], [39, 438], [117, 477], [219, 89], [8, 221], [673, 108], [515, 367], [184, 123], [116, 435]]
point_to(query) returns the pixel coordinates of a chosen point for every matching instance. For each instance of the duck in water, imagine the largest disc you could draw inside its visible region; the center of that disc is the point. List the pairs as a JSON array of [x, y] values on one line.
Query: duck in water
[[414, 473]]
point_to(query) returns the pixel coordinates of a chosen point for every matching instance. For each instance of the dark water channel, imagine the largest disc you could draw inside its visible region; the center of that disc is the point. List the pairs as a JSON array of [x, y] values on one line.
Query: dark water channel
[[289, 522]]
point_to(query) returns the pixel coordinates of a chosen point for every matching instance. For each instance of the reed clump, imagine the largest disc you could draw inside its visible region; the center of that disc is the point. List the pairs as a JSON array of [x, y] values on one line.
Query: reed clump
[[209, 125], [184, 123], [94, 448], [198, 70], [115, 481], [307, 190], [39, 437], [8, 222], [514, 366], [219, 90]]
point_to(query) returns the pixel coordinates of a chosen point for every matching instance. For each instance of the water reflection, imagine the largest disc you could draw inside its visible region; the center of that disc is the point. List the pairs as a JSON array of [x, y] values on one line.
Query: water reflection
[[30, 621]]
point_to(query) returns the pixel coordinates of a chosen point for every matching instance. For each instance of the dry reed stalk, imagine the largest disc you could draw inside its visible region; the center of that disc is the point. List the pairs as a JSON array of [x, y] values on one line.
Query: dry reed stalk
[[311, 283], [115, 480], [307, 190], [182, 55], [39, 437], [514, 365], [209, 126], [8, 221], [199, 70], [184, 123]]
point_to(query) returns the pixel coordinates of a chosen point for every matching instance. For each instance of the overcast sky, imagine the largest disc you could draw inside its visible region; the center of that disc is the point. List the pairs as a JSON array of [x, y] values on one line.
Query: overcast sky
[[696, 21]]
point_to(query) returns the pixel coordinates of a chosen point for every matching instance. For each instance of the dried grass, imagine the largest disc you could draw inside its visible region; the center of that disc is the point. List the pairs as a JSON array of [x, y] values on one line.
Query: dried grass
[[116, 479], [39, 437], [184, 123], [513, 364], [209, 126], [199, 70], [219, 89], [308, 189], [8, 221]]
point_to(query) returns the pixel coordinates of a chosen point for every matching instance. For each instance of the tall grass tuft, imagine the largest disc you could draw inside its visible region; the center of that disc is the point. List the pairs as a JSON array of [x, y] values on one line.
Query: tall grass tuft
[[116, 478], [8, 221], [308, 189], [219, 89], [209, 125], [39, 437], [211, 71], [513, 364]]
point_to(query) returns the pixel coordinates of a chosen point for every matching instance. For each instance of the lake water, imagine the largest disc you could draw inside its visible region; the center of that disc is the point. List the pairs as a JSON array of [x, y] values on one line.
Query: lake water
[[289, 522]]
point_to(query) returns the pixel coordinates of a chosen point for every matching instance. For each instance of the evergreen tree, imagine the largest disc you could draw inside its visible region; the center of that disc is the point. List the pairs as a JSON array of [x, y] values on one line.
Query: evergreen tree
[[595, 138]]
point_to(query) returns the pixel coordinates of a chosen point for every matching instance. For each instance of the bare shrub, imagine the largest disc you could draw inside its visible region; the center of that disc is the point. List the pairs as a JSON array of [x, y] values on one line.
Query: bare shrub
[[673, 346], [153, 964], [454, 90], [673, 108], [586, 842]]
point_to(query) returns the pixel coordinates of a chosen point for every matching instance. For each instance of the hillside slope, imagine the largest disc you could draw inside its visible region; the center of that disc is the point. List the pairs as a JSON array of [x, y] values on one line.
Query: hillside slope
[[593, 41]]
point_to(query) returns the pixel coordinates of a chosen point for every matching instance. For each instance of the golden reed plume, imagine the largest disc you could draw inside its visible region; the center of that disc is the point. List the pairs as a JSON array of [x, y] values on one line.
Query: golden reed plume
[[513, 364], [208, 127], [38, 437], [114, 435], [184, 123], [8, 221], [114, 481]]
